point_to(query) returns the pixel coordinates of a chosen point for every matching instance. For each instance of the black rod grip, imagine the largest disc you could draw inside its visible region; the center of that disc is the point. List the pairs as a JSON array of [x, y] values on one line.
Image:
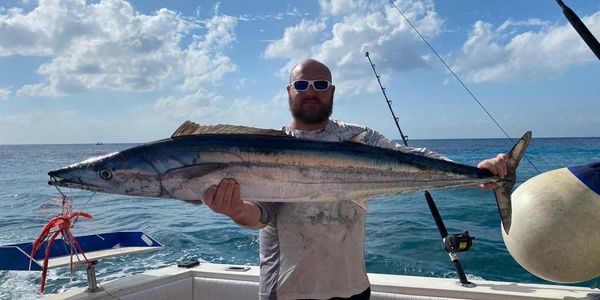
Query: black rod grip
[[436, 215]]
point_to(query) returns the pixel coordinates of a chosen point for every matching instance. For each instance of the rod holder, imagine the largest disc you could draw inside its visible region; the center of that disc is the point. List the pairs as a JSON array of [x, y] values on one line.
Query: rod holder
[[91, 277]]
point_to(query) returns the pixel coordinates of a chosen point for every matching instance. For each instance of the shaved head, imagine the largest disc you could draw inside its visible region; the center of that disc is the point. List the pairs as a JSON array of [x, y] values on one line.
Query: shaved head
[[313, 65]]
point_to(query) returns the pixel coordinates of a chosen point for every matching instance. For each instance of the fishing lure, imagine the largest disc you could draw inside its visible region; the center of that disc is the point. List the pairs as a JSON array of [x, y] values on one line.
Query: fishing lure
[[61, 224]]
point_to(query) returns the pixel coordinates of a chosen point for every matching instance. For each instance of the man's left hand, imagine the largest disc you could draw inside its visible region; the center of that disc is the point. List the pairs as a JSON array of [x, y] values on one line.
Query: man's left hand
[[497, 166]]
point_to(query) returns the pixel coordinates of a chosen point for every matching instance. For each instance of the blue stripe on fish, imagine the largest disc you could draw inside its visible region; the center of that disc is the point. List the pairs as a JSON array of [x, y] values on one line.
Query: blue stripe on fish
[[589, 175]]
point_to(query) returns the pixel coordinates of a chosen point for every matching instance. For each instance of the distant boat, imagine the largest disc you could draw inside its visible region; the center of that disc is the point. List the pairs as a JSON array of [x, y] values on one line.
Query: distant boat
[[98, 143]]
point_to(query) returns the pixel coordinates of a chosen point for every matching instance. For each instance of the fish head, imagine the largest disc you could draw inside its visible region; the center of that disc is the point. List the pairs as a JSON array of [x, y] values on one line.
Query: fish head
[[117, 173]]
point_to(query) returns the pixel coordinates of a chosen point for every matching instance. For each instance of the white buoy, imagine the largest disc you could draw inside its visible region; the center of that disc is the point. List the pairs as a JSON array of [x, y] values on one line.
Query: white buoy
[[555, 228]]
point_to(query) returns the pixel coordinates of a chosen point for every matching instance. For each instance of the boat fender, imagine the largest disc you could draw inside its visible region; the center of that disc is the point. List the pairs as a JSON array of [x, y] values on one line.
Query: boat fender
[[555, 231]]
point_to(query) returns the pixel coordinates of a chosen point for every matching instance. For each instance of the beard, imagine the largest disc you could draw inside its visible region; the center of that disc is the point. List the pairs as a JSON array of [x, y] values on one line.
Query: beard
[[311, 115]]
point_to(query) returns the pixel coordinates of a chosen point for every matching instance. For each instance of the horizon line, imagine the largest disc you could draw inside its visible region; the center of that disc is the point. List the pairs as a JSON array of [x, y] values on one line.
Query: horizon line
[[395, 140]]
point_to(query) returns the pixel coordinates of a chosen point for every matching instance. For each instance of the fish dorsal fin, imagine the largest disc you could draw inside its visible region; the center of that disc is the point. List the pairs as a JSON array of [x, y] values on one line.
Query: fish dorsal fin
[[190, 128], [359, 138]]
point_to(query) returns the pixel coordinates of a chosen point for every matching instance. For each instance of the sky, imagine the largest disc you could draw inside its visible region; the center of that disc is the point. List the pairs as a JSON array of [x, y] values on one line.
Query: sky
[[74, 71]]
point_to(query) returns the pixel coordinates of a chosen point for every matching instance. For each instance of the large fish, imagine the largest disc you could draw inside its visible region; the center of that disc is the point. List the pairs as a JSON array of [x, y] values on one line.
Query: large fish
[[273, 167]]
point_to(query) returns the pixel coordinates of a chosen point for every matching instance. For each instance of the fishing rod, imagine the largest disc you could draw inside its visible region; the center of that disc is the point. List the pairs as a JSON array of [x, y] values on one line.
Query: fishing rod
[[583, 31], [453, 243], [389, 102]]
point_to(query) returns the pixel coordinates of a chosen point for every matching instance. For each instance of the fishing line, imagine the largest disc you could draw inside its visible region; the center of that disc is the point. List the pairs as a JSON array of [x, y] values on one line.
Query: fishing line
[[65, 197], [45, 205], [85, 204], [460, 81], [57, 188]]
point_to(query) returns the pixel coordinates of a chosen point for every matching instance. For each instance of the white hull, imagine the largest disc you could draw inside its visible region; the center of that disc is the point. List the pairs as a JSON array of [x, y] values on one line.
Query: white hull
[[214, 281]]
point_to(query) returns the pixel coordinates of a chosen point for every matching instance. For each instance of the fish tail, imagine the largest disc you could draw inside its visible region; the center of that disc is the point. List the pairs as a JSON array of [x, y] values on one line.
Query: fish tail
[[504, 190]]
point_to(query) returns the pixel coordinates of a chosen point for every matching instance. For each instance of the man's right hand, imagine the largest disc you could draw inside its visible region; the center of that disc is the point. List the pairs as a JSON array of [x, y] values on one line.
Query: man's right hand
[[225, 199]]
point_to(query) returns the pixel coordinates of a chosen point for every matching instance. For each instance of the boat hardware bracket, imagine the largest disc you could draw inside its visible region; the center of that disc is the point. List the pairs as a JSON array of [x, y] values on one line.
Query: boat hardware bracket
[[91, 277], [237, 269]]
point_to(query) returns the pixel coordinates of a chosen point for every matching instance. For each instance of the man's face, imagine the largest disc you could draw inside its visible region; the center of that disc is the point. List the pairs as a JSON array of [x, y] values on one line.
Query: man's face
[[310, 106]]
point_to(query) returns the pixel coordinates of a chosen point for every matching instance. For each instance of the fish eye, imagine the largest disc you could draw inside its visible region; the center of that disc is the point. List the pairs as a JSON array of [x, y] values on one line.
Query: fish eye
[[105, 174]]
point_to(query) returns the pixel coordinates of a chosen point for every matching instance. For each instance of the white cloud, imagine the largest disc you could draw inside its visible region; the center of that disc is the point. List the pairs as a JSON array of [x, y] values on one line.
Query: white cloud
[[492, 54], [241, 84], [527, 23], [260, 113], [291, 13], [341, 7], [377, 28], [5, 93], [200, 67], [108, 45], [207, 108], [41, 32], [197, 106], [220, 31], [201, 63], [297, 41]]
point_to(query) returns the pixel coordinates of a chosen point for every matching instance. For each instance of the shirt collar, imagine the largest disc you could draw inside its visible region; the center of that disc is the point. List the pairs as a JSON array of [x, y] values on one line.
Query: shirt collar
[[299, 132]]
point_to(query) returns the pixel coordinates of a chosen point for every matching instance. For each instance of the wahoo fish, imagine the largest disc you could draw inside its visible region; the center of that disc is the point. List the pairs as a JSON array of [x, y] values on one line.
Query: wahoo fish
[[271, 166]]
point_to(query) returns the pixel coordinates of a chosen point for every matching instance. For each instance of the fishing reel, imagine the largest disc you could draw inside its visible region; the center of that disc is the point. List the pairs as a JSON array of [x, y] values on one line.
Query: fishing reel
[[459, 242]]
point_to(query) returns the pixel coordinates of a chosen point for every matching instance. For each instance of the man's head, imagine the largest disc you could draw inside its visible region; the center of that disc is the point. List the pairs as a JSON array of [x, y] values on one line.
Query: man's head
[[310, 107]]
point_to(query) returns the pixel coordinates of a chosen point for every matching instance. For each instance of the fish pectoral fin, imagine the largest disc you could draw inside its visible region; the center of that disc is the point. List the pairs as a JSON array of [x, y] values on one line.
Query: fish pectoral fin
[[361, 203], [359, 138], [195, 171]]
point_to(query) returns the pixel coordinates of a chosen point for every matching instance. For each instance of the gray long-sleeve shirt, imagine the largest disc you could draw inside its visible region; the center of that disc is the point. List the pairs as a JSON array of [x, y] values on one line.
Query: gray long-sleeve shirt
[[316, 250]]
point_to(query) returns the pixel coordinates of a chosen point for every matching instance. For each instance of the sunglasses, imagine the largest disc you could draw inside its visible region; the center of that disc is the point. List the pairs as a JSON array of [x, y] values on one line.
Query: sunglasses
[[303, 85]]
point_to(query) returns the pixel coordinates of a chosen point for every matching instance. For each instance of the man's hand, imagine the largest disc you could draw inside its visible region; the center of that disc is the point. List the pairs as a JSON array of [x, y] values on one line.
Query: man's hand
[[497, 166], [225, 198]]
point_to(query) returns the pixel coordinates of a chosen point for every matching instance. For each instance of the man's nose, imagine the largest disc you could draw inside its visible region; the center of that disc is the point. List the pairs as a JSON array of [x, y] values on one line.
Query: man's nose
[[311, 90]]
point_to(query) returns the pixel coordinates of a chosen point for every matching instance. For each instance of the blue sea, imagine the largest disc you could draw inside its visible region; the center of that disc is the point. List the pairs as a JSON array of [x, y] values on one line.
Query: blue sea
[[401, 236]]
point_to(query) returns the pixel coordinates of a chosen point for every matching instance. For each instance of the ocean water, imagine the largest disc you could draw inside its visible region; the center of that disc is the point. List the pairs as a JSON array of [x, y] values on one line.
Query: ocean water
[[401, 236]]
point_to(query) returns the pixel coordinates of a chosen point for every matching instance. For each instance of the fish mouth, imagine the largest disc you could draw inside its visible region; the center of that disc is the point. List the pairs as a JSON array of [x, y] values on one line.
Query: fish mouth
[[58, 181]]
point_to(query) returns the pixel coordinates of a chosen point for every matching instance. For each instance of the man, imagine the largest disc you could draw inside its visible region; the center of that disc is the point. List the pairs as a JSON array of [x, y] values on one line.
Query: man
[[313, 250]]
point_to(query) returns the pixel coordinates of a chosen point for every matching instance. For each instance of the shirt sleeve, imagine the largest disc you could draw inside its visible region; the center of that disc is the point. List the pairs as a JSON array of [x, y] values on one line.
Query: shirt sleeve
[[377, 139], [268, 211]]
